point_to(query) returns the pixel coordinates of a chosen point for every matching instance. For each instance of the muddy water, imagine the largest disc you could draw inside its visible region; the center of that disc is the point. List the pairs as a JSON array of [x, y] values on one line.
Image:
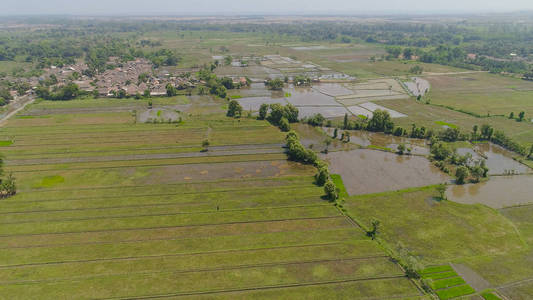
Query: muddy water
[[369, 171], [365, 139], [333, 89], [499, 161], [309, 96], [498, 192]]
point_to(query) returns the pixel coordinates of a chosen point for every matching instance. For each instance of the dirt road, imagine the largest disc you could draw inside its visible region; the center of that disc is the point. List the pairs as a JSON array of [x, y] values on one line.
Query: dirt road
[[14, 107]]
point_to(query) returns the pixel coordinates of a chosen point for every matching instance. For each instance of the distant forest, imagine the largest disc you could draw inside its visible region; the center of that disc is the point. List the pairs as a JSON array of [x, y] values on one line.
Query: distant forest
[[445, 43]]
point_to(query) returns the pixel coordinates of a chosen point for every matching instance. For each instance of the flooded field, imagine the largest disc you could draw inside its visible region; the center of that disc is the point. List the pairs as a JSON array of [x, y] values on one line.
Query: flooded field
[[326, 111], [499, 161], [365, 139], [496, 192], [368, 171], [373, 107], [253, 103], [324, 98], [418, 86], [333, 89], [307, 96]]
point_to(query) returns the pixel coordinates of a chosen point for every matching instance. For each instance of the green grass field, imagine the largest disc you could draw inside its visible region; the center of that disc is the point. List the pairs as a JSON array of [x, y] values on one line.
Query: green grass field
[[432, 116], [433, 230], [109, 208], [483, 93]]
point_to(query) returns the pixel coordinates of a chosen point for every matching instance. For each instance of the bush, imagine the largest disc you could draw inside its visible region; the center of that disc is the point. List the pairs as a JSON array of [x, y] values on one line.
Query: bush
[[322, 175], [8, 187], [275, 84], [380, 122], [461, 174], [234, 109], [331, 190], [440, 151], [263, 111], [297, 152], [284, 125], [316, 120]]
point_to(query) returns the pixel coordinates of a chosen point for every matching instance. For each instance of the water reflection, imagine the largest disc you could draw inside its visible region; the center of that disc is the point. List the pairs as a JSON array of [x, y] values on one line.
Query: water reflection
[[498, 192], [499, 160]]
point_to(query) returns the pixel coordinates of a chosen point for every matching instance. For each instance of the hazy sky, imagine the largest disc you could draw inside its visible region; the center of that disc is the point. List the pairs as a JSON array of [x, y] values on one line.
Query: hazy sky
[[235, 7]]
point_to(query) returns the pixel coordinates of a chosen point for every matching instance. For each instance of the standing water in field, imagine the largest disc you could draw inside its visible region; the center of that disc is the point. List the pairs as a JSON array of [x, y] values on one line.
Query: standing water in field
[[498, 192], [499, 161], [367, 171]]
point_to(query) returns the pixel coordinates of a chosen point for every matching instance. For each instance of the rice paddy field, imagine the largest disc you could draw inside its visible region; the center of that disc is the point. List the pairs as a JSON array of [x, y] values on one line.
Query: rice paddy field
[[490, 249], [111, 208], [483, 93]]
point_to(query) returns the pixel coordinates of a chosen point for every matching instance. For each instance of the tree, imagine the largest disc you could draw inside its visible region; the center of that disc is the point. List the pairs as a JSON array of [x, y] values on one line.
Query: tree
[[336, 133], [346, 137], [484, 167], [322, 175], [327, 142], [8, 187], [291, 113], [120, 94], [345, 124], [228, 60], [227, 83], [530, 151], [380, 121], [171, 90], [375, 229], [521, 116], [331, 191], [416, 70], [146, 93], [477, 172], [440, 150], [511, 115], [275, 84], [205, 145], [234, 109], [487, 131], [399, 131], [284, 124], [461, 174], [401, 149], [263, 111], [276, 113], [441, 188], [474, 132]]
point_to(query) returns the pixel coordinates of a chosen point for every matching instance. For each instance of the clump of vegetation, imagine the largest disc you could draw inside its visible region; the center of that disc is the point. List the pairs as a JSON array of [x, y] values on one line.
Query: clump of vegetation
[[205, 145], [301, 80], [466, 166], [380, 122], [297, 152], [280, 115], [234, 109], [8, 185], [331, 191], [416, 70], [67, 92], [275, 84], [441, 189], [374, 230], [5, 96]]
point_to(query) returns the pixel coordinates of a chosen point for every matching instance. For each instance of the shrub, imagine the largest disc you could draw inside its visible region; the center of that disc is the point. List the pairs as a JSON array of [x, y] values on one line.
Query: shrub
[[331, 191], [234, 109], [461, 174]]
